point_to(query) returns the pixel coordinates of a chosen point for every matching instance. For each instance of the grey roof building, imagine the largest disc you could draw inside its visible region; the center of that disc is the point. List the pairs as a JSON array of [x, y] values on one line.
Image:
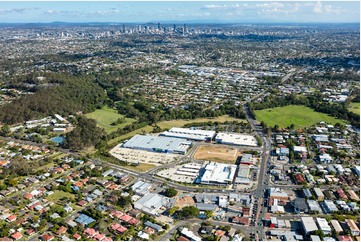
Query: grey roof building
[[206, 207], [300, 205], [158, 144]]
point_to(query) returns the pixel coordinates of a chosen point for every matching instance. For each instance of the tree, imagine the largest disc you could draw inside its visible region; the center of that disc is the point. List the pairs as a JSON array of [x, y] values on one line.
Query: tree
[[172, 210], [170, 192], [124, 201], [209, 214], [189, 212]]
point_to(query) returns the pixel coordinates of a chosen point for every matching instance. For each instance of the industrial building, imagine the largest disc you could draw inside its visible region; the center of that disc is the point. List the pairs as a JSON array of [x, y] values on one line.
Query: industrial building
[[190, 134], [151, 203], [158, 144], [236, 139], [218, 173], [308, 225]]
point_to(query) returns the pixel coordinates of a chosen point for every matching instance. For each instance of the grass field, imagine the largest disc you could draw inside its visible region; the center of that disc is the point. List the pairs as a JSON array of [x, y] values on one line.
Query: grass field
[[57, 195], [217, 153], [355, 108], [106, 116], [143, 167], [171, 124], [146, 129], [300, 116], [181, 122]]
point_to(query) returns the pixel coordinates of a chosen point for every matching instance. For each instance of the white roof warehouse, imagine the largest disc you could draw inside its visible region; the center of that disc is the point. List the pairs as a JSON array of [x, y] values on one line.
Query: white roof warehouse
[[158, 144]]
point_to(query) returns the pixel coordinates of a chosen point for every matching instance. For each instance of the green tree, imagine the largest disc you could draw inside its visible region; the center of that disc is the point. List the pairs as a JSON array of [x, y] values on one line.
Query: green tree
[[170, 192], [189, 212]]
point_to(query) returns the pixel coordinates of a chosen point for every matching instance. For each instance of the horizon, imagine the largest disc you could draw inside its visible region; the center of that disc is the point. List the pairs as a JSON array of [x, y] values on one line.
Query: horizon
[[235, 12]]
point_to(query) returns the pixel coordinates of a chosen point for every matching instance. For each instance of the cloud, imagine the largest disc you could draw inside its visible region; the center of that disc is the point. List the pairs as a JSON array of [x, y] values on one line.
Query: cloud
[[16, 10], [318, 7], [214, 6]]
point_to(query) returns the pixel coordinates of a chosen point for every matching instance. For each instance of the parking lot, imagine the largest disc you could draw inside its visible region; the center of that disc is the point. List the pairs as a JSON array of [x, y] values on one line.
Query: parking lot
[[135, 156]]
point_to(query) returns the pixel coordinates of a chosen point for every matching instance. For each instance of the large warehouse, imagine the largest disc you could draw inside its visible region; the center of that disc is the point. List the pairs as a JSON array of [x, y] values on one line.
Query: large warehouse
[[158, 144], [236, 139], [191, 134], [218, 173]]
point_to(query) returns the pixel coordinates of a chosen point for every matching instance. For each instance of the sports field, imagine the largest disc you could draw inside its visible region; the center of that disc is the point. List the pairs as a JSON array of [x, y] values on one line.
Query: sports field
[[182, 122], [298, 115], [355, 108], [217, 153], [106, 116]]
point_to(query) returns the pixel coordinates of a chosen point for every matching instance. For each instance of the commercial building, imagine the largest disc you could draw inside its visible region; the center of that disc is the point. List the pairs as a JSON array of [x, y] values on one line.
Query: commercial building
[[189, 169], [236, 139], [190, 134], [279, 194], [141, 188], [151, 203], [218, 173], [243, 174], [308, 225], [158, 144], [323, 225]]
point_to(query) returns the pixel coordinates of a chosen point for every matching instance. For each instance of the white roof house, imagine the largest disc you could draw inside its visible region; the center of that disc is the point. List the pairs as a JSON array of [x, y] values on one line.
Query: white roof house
[[323, 225], [300, 149]]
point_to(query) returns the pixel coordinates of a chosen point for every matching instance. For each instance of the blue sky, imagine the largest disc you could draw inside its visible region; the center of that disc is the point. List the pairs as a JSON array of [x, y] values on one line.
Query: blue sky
[[233, 12]]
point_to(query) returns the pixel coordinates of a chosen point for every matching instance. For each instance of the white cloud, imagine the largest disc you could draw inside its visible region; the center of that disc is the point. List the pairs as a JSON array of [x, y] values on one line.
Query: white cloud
[[318, 7], [214, 6]]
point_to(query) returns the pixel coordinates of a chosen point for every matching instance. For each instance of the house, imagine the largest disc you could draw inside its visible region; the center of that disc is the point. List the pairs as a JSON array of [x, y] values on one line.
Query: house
[[354, 230], [47, 237], [77, 236], [345, 238], [325, 158], [28, 196], [11, 218], [154, 226], [68, 208], [143, 235], [99, 237], [90, 232], [240, 220], [336, 226], [341, 194], [61, 230], [323, 225], [319, 194], [16, 236], [300, 205]]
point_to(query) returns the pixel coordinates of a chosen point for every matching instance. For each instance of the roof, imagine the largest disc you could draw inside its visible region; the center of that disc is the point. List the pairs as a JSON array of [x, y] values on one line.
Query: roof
[[218, 173], [155, 143], [194, 134], [236, 139], [336, 226], [309, 224], [84, 219], [206, 206]]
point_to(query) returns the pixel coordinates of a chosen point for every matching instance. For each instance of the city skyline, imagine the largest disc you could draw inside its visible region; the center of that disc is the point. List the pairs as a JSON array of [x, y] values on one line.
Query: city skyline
[[182, 11]]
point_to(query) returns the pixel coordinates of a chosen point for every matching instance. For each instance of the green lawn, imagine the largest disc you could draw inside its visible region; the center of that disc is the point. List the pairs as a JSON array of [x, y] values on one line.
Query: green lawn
[[146, 129], [182, 122], [106, 116], [355, 108], [57, 195], [300, 116], [143, 167]]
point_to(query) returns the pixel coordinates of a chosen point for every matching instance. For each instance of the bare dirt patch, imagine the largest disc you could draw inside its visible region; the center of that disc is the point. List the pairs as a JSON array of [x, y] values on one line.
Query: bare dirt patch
[[217, 153]]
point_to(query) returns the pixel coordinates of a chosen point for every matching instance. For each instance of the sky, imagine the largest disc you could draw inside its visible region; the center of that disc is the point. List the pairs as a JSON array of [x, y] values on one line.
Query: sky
[[186, 11]]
